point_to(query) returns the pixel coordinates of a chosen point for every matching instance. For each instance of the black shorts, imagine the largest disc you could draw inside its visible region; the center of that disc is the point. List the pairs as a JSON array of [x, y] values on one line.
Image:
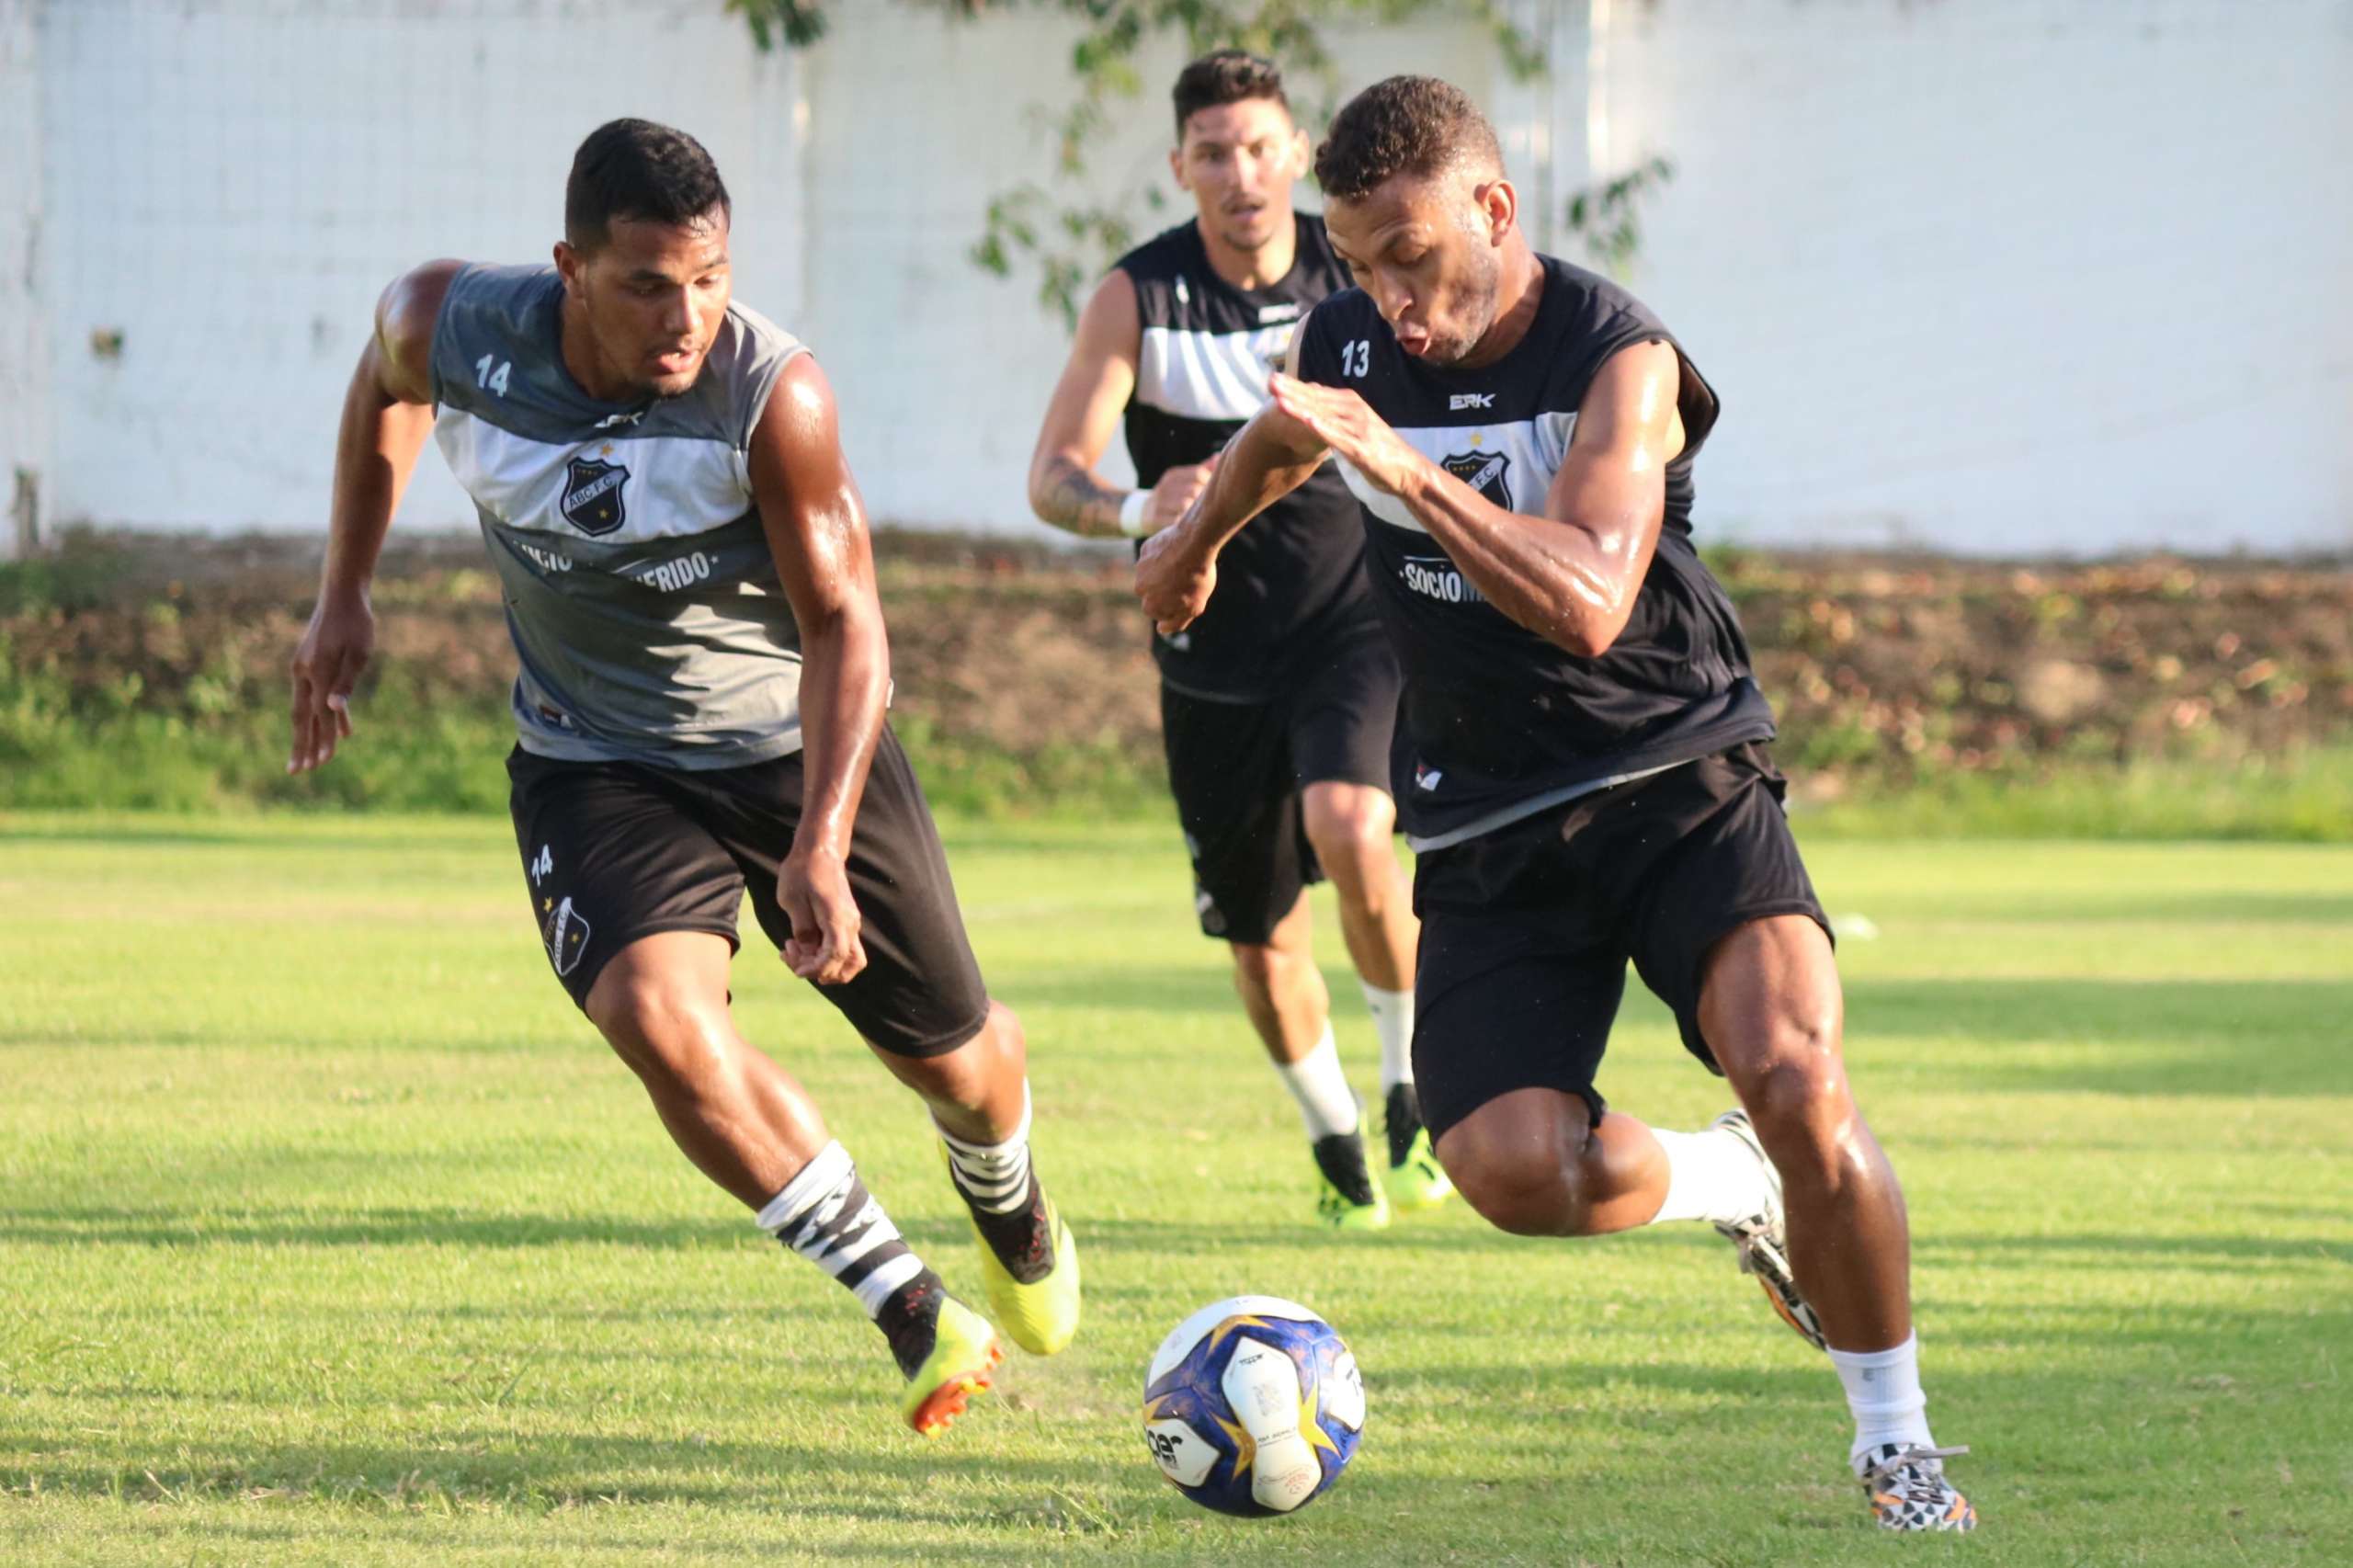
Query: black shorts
[[614, 851], [1237, 769], [1526, 931]]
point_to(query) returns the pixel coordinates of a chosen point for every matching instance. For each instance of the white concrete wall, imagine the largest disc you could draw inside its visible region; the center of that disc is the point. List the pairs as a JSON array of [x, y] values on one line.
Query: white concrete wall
[[2009, 274], [916, 122], [2031, 276], [24, 358], [232, 182]]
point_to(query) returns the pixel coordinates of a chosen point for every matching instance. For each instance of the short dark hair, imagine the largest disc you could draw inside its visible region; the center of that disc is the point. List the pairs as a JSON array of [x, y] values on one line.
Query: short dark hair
[[1406, 125], [635, 168], [1225, 77]]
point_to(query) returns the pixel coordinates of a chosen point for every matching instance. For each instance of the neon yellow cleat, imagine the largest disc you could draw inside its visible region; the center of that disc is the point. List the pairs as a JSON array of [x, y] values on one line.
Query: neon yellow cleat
[[1346, 1197], [965, 1352], [1417, 1181], [1040, 1317]]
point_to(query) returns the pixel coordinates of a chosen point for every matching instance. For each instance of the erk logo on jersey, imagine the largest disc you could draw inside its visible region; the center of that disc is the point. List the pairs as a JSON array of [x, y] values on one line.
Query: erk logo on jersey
[[1462, 400]]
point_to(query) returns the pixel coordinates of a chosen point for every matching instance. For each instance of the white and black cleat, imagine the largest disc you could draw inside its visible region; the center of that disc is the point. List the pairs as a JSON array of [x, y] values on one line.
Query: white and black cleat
[[1906, 1484], [1763, 1240]]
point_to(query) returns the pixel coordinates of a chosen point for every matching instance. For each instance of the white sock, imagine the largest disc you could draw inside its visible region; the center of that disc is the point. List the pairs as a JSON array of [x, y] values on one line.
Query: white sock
[[1883, 1391], [1710, 1175], [995, 1176], [1392, 1020], [826, 1215], [1326, 1102]]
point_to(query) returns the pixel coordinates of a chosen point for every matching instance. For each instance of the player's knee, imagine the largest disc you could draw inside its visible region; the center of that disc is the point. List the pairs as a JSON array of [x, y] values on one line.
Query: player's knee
[[1262, 967], [971, 1077], [1350, 831], [1516, 1185], [1524, 1197], [1803, 1112], [662, 1028]]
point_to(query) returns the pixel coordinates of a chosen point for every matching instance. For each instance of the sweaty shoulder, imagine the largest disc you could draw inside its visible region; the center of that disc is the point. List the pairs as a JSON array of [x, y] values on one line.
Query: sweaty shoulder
[[750, 353], [1595, 318]]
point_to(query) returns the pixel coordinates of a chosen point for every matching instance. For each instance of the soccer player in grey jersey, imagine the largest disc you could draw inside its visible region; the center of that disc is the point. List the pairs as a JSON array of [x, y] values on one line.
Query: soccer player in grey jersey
[[1582, 760], [700, 710], [1275, 709]]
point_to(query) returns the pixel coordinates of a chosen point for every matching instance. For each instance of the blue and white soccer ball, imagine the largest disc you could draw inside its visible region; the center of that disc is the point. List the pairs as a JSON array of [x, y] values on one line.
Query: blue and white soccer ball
[[1253, 1407]]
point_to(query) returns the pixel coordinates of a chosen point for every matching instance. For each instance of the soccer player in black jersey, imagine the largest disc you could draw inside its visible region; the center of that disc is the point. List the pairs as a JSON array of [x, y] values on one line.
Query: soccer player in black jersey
[[1581, 760], [1278, 704]]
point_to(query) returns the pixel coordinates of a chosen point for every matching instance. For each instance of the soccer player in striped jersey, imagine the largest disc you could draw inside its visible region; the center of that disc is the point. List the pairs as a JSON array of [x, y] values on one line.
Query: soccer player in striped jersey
[[1277, 705], [691, 592], [1583, 766]]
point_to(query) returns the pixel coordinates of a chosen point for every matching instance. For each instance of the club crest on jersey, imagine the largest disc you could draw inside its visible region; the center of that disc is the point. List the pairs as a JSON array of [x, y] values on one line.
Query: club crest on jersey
[[592, 495], [1482, 471]]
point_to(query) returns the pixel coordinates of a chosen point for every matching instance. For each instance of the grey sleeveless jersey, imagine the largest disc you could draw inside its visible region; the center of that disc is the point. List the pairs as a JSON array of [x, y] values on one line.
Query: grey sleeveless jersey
[[640, 590]]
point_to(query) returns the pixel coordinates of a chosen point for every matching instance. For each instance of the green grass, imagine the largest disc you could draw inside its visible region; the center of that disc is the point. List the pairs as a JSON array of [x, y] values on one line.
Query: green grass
[[330, 1234]]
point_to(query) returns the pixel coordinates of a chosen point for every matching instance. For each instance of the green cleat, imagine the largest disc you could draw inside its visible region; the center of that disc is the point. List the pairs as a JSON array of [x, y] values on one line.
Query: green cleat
[[964, 1353], [1347, 1198], [1414, 1179], [1040, 1313], [1042, 1316]]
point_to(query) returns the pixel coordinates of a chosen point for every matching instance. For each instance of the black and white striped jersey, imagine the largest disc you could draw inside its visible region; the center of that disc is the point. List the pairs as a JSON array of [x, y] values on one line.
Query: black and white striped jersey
[[1294, 579], [1497, 723]]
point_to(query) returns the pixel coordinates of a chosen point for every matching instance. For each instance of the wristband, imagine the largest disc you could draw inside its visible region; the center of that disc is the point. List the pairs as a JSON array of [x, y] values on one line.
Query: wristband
[[1131, 511]]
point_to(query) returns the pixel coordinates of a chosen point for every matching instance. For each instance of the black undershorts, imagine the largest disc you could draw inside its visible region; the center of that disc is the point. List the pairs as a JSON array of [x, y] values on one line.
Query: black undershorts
[[1237, 770], [1526, 930], [614, 851]]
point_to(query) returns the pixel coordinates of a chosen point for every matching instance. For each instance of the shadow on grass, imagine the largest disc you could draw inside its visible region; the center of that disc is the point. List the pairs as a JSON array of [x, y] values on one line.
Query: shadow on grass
[[372, 1228], [2227, 1037], [2207, 910], [472, 1466]]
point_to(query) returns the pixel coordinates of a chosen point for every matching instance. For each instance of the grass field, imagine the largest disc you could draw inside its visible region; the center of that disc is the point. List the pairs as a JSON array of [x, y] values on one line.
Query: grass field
[[329, 1233]]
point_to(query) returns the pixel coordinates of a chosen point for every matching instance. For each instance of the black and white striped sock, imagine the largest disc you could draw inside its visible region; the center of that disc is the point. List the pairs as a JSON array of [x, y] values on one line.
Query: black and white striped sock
[[825, 1214], [997, 1184], [993, 1177]]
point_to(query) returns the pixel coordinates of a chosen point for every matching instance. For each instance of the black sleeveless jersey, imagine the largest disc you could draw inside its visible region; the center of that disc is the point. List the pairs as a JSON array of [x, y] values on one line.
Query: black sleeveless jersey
[[1497, 723], [1294, 579]]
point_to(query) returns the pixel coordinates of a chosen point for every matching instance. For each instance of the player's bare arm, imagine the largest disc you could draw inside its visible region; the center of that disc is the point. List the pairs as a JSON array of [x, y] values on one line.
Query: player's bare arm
[[1572, 574], [387, 414], [1065, 489], [815, 523], [1267, 458]]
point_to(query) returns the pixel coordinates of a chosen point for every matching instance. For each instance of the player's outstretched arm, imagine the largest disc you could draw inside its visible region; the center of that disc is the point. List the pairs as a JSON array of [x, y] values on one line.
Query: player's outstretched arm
[[1267, 458], [387, 414], [1572, 574], [1065, 489], [815, 522]]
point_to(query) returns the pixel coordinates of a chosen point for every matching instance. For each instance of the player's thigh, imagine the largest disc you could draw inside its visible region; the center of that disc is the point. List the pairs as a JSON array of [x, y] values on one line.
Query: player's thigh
[[1504, 1004], [1734, 886], [1228, 768], [1343, 715], [611, 854], [920, 994]]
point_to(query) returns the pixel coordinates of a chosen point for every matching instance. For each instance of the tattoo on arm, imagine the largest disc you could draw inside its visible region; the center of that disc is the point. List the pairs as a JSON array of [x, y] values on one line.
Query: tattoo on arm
[[1074, 498]]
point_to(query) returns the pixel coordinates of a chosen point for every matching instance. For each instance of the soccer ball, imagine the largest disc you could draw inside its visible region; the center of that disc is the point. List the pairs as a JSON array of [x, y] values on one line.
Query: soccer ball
[[1253, 1407]]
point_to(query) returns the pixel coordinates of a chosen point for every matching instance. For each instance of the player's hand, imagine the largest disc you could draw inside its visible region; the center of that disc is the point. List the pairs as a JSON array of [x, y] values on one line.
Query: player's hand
[[1174, 587], [334, 648], [1178, 489], [813, 888], [1342, 421]]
